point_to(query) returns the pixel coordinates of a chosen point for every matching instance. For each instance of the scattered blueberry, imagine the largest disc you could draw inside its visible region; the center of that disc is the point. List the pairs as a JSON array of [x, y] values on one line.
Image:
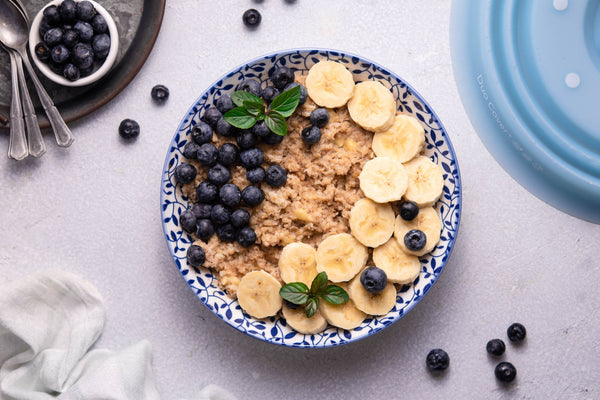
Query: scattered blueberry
[[219, 174], [85, 30], [85, 11], [71, 72], [505, 372], [188, 220], [190, 150], [202, 133], [220, 214], [260, 129], [207, 192], [226, 233], [311, 134], [68, 11], [319, 117], [212, 116], [240, 217], [230, 195], [251, 18], [60, 54], [129, 129], [202, 210], [409, 210], [495, 347], [185, 173], [204, 229], [373, 279], [159, 93], [245, 139], [269, 93], [208, 154], [70, 38], [281, 77], [415, 240], [51, 15], [99, 24], [53, 36], [252, 195], [224, 103], [276, 176], [251, 86], [101, 47], [83, 55], [437, 360], [42, 51], [228, 154], [224, 128], [251, 158], [246, 236], [516, 332], [196, 256], [256, 175], [272, 138], [303, 92]]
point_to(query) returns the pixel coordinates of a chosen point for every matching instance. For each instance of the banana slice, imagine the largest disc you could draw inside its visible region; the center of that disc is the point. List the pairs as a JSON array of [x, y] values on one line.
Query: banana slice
[[398, 266], [299, 322], [425, 181], [297, 263], [372, 223], [372, 106], [372, 303], [345, 316], [427, 221], [329, 84], [383, 179], [258, 294], [341, 256], [402, 141]]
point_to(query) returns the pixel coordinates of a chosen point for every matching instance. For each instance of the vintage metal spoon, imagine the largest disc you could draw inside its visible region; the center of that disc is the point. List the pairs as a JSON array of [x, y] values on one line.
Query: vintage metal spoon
[[17, 147]]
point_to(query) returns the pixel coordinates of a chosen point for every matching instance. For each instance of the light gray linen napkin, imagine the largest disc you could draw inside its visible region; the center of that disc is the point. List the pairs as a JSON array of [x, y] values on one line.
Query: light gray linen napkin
[[48, 323]]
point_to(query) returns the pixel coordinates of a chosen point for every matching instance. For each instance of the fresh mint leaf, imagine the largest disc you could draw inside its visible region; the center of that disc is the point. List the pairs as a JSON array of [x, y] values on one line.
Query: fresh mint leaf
[[240, 118], [276, 123], [335, 295], [311, 306], [255, 108], [286, 102], [295, 292], [319, 284], [241, 96]]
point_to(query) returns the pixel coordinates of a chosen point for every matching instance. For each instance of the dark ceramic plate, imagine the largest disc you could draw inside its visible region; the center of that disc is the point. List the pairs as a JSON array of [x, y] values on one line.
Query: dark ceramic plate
[[138, 22]]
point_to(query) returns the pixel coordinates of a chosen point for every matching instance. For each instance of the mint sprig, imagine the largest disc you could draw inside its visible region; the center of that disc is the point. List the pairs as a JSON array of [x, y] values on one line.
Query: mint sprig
[[251, 109], [299, 293]]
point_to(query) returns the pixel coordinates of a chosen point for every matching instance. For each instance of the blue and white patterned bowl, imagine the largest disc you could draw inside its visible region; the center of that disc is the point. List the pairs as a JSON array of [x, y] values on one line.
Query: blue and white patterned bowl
[[275, 330]]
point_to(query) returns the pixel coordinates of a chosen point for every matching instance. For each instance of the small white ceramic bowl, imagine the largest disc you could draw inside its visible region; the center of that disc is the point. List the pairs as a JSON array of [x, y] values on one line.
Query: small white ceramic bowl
[[99, 71]]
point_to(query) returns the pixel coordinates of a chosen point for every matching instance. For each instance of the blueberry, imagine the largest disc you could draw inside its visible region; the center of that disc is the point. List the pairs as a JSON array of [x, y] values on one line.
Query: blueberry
[[68, 11], [276, 176], [53, 36], [60, 54], [251, 158], [269, 93], [86, 71], [70, 38], [207, 192], [83, 55], [202, 210], [71, 72], [246, 236], [51, 15], [202, 133], [42, 51], [85, 10], [437, 360], [245, 139], [272, 138], [85, 30], [190, 151], [495, 347], [319, 117], [220, 214], [45, 26], [260, 129], [159, 93], [251, 86], [409, 210], [226, 233], [240, 217], [58, 69], [282, 77], [185, 173], [101, 46], [219, 174], [251, 18], [99, 24], [252, 195], [204, 229], [195, 256], [230, 195], [373, 279], [415, 240], [516, 332], [290, 305], [256, 175], [228, 154], [129, 129], [311, 134], [188, 220], [212, 116], [207, 154], [224, 128], [224, 103], [505, 372], [303, 92]]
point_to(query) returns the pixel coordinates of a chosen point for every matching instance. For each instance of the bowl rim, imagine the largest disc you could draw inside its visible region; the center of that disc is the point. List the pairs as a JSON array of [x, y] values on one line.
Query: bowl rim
[[279, 53], [35, 38]]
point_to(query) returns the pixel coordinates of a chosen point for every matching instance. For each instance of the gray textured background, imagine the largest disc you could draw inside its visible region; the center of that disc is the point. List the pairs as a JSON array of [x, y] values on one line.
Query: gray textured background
[[94, 209]]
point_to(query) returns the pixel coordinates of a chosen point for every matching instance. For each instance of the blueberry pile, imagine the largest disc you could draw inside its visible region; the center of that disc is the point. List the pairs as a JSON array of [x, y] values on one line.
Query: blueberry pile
[[75, 38]]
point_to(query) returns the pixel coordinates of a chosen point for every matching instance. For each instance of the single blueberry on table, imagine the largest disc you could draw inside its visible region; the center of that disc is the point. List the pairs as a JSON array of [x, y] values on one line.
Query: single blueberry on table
[[437, 360], [129, 129], [505, 372], [516, 332], [224, 128], [245, 139], [85, 30], [195, 256], [207, 154], [319, 117], [185, 173], [252, 196], [228, 154], [85, 11], [60, 54], [303, 92], [373, 279], [272, 138], [251, 86], [159, 93], [311, 134], [269, 93], [51, 15], [251, 18], [202, 133], [495, 347], [99, 24], [281, 77], [240, 217], [101, 47], [260, 129], [256, 175], [276, 176], [415, 240], [219, 174], [71, 72], [188, 220], [53, 36], [202, 210], [190, 150], [251, 158], [220, 214], [246, 236], [226, 233], [42, 51], [409, 210], [224, 103], [230, 195], [68, 11], [70, 38], [212, 116], [83, 55], [204, 229], [207, 192]]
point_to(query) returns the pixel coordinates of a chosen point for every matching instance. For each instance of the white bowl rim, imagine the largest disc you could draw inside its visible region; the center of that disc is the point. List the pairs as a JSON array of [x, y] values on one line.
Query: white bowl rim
[[35, 38]]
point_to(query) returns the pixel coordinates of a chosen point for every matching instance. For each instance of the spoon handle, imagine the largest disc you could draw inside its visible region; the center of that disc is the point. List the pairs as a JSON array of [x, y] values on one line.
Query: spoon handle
[[62, 133], [37, 147], [17, 148]]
